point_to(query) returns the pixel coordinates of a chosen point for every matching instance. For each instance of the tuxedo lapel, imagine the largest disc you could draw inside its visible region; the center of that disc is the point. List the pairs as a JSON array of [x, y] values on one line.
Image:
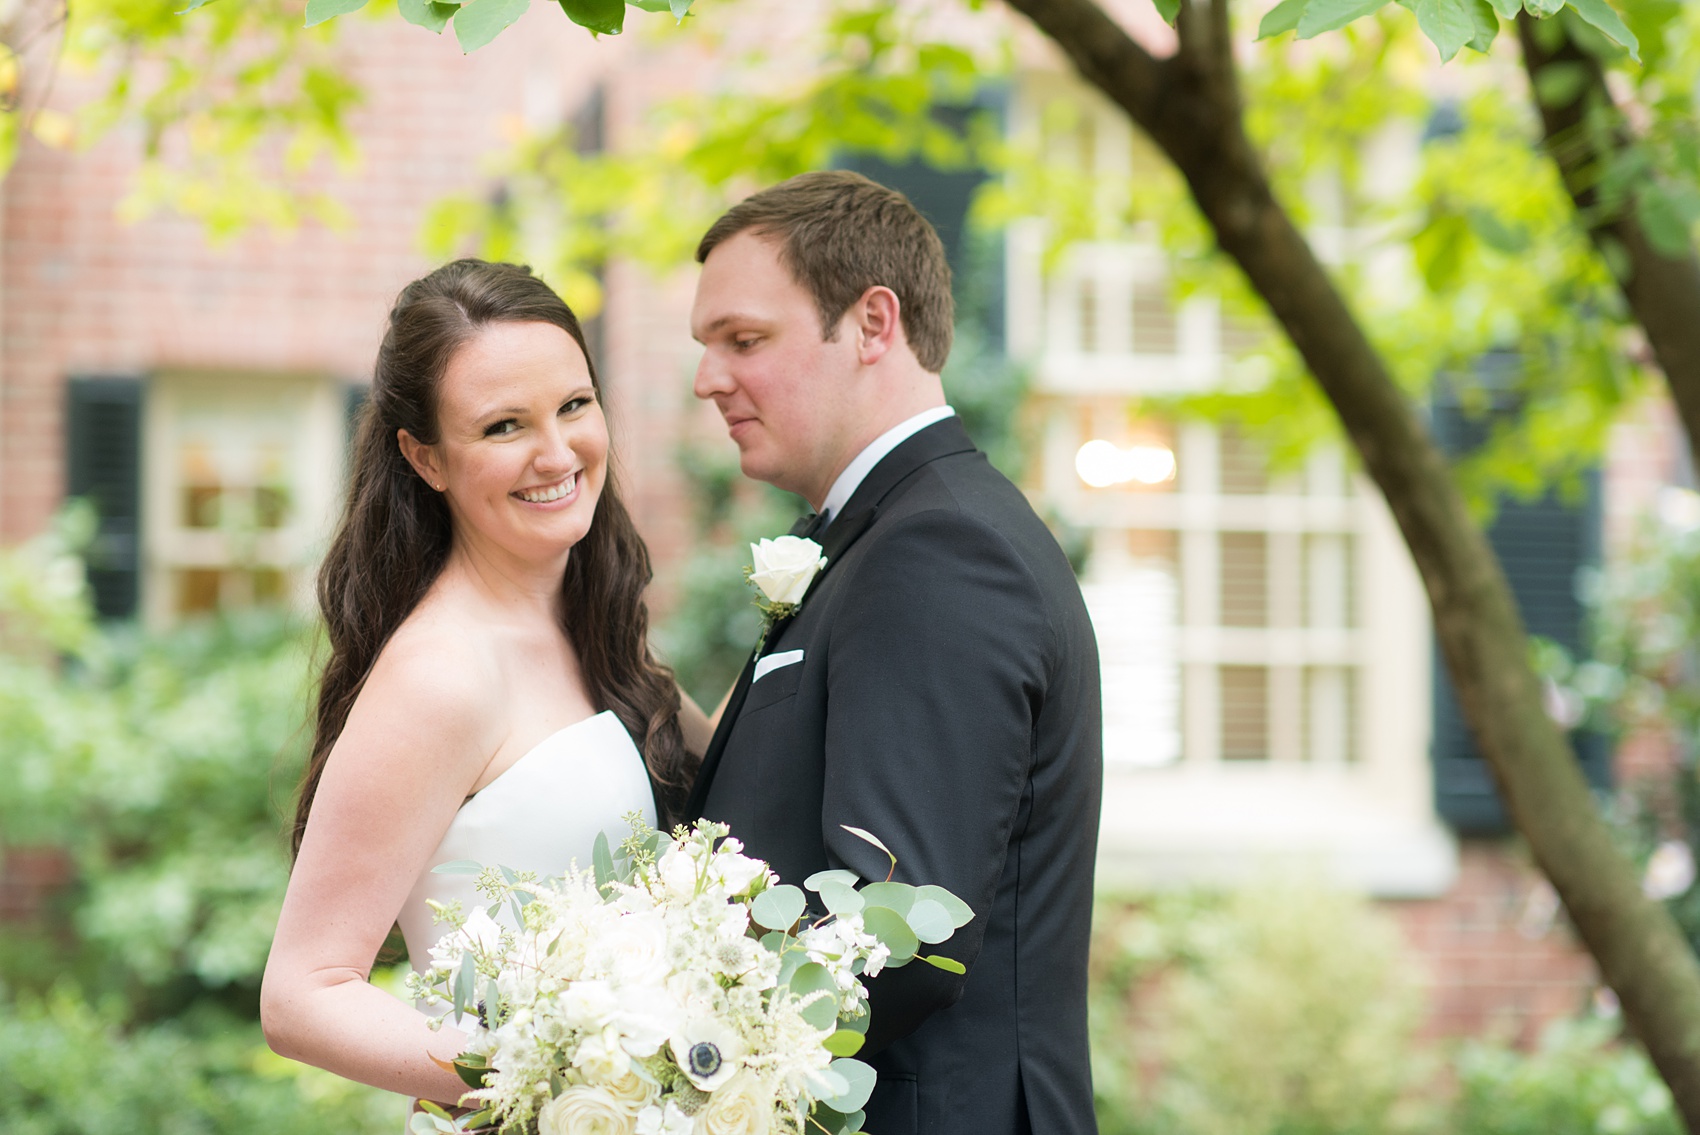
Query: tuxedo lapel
[[942, 439]]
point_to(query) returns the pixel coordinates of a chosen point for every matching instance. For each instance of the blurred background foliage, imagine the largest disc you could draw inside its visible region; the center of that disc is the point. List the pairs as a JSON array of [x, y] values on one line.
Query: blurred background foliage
[[161, 767]]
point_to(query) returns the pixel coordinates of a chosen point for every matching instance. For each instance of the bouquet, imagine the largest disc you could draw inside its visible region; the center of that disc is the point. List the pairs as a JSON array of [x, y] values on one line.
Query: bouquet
[[675, 988]]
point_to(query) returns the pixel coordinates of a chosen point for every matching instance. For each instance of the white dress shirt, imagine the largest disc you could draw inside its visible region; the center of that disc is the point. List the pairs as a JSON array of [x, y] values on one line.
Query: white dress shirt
[[864, 462]]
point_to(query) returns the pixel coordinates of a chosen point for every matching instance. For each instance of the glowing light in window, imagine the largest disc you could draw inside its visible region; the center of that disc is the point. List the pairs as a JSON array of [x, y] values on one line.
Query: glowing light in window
[[1103, 463]]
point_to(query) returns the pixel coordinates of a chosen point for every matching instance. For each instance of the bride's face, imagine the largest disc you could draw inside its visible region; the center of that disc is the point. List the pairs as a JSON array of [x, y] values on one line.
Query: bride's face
[[522, 452]]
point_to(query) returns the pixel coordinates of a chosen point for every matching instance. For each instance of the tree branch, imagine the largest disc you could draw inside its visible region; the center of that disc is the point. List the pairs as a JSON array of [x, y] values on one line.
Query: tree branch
[[1192, 114], [1662, 291]]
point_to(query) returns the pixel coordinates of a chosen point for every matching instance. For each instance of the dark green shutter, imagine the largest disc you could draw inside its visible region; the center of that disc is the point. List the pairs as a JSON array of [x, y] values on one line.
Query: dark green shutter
[[103, 463], [1542, 545]]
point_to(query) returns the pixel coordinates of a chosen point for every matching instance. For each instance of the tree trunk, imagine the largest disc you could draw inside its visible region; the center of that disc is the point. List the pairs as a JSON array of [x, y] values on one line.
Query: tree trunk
[[1663, 291], [1189, 105]]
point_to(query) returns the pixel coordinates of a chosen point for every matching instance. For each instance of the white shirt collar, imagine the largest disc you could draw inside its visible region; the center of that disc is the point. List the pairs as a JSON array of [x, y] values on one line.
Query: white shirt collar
[[863, 463]]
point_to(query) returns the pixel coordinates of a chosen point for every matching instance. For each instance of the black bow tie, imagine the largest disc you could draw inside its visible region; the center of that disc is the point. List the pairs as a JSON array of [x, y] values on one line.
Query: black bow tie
[[811, 526]]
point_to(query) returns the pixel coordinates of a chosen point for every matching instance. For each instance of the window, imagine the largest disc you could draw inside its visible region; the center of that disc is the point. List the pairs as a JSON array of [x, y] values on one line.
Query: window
[[240, 486]]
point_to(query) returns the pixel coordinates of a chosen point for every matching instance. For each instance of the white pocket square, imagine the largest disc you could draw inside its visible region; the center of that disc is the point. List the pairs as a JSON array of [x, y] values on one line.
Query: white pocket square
[[771, 662]]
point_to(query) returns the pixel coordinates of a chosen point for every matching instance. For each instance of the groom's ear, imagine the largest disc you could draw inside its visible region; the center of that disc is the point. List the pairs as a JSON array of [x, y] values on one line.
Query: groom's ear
[[878, 323], [422, 457]]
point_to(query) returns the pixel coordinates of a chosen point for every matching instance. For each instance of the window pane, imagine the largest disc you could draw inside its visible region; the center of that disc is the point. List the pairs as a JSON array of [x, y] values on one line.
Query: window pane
[[197, 590], [1245, 579], [1155, 331], [1244, 467], [1088, 315], [1245, 713], [1134, 601], [1328, 588], [1329, 705]]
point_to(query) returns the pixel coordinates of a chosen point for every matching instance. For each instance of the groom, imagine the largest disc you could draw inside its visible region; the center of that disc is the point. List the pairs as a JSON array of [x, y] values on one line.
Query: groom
[[938, 686]]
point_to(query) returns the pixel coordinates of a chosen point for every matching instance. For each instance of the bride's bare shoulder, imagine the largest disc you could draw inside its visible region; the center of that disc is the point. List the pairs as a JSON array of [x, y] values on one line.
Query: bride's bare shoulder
[[438, 681]]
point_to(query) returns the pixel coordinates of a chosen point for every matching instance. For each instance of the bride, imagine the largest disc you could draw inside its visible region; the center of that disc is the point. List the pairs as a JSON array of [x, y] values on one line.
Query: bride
[[489, 667]]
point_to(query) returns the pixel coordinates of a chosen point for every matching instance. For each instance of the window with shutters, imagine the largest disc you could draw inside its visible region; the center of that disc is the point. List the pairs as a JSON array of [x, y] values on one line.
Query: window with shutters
[[1263, 637], [241, 479]]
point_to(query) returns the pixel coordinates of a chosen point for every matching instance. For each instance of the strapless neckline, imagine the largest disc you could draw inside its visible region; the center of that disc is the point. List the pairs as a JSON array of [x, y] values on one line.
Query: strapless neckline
[[525, 756]]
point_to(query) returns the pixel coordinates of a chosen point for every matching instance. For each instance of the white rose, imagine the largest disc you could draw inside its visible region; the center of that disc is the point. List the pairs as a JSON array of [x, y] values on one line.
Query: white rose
[[669, 1120], [736, 872], [588, 1004], [785, 567], [631, 1090], [679, 872], [740, 1107], [648, 1016], [585, 1110], [633, 951]]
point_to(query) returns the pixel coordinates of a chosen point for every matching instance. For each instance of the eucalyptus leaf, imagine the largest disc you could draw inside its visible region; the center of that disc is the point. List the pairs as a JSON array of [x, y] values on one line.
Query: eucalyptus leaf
[[815, 978], [427, 14], [458, 867], [1605, 19], [848, 878], [318, 11], [1326, 15], [779, 908], [845, 1042], [1283, 17], [840, 899], [870, 837], [774, 941], [856, 1024], [888, 926], [894, 896], [601, 857], [860, 1079], [481, 21], [930, 921], [949, 965], [603, 17], [961, 914], [464, 979]]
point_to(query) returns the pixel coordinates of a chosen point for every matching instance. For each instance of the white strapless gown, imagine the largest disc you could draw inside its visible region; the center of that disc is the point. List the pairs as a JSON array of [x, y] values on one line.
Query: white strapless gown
[[541, 815]]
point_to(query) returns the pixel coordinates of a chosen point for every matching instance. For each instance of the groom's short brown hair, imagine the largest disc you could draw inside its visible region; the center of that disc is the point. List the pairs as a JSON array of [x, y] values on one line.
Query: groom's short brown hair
[[840, 234]]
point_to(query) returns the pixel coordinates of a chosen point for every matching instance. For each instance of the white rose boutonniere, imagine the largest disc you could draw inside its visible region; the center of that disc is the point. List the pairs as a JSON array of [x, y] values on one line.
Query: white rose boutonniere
[[781, 572]]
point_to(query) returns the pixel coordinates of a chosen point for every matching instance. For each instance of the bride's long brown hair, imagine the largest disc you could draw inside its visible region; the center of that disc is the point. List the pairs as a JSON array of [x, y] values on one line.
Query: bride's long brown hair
[[395, 532]]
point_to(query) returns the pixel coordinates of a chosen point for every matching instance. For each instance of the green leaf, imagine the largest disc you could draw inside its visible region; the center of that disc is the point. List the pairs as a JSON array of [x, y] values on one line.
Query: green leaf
[[1168, 9], [961, 914], [813, 977], [1543, 8], [1447, 23], [1606, 20], [848, 878], [930, 921], [427, 13], [863, 834], [1506, 9], [679, 8], [471, 1069], [895, 896], [778, 908], [888, 926], [458, 867], [1560, 84], [1486, 24], [1667, 218], [464, 979], [601, 858], [845, 1042], [1439, 250], [949, 965], [1326, 15], [481, 21], [193, 4], [860, 1079], [318, 11], [774, 941], [603, 17], [840, 899], [1283, 17], [1496, 234]]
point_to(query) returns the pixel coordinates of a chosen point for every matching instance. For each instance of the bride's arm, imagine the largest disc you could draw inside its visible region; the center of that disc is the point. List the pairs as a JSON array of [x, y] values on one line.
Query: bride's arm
[[414, 744]]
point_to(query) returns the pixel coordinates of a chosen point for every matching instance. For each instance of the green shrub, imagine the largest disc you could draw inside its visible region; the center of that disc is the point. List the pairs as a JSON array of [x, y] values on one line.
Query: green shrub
[[1578, 1082], [1276, 1010], [71, 1069]]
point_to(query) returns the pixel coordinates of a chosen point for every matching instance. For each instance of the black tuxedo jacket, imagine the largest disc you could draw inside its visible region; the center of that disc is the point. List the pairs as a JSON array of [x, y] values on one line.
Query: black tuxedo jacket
[[946, 700]]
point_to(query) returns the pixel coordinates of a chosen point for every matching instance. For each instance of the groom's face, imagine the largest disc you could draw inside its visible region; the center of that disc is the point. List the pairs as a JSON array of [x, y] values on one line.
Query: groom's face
[[780, 386]]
